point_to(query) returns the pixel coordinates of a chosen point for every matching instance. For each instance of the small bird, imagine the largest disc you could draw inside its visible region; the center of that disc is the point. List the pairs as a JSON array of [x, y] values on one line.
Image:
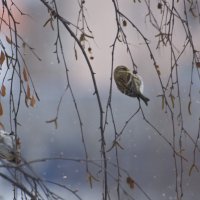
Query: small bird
[[129, 83], [7, 147]]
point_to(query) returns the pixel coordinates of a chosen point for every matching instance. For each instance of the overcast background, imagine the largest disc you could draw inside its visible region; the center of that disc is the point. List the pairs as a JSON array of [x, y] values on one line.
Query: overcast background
[[146, 156]]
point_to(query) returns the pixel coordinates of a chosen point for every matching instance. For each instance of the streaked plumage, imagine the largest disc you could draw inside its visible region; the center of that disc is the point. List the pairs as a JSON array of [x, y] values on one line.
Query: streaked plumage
[[128, 83], [7, 147]]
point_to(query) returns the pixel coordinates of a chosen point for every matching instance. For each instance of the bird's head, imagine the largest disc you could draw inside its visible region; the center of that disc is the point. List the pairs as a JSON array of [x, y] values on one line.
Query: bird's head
[[121, 68], [120, 71]]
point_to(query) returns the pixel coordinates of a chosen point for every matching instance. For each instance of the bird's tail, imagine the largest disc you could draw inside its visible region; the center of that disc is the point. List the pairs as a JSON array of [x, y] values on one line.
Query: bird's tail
[[145, 99]]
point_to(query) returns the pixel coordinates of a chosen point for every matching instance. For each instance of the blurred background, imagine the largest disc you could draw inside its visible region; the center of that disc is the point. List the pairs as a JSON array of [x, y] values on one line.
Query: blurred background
[[145, 155]]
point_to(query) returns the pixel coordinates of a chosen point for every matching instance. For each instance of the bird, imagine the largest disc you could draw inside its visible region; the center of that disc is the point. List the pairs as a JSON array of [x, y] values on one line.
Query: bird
[[129, 83], [8, 150]]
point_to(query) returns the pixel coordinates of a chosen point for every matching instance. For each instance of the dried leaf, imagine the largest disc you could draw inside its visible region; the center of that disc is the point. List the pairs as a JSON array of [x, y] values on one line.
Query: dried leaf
[[28, 92], [189, 107], [1, 109], [130, 182], [3, 90], [33, 101], [157, 69], [158, 72], [172, 100], [159, 6], [157, 66], [82, 37], [25, 75], [90, 50], [2, 58], [124, 23], [198, 64], [8, 40]]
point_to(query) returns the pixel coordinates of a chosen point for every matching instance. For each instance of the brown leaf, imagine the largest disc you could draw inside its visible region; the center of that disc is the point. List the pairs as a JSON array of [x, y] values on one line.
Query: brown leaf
[[33, 101], [1, 109], [158, 72], [130, 182], [124, 23], [82, 37], [2, 58], [172, 100], [8, 40], [157, 69], [157, 66], [3, 90], [90, 50], [159, 6], [28, 92], [25, 75]]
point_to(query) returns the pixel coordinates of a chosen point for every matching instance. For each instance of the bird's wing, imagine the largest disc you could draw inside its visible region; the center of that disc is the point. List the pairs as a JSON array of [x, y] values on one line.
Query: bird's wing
[[128, 78], [6, 152], [122, 85], [127, 84], [137, 82]]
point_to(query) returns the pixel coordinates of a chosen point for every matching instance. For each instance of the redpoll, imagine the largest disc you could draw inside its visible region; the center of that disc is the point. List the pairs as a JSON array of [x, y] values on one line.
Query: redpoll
[[8, 150], [129, 83]]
